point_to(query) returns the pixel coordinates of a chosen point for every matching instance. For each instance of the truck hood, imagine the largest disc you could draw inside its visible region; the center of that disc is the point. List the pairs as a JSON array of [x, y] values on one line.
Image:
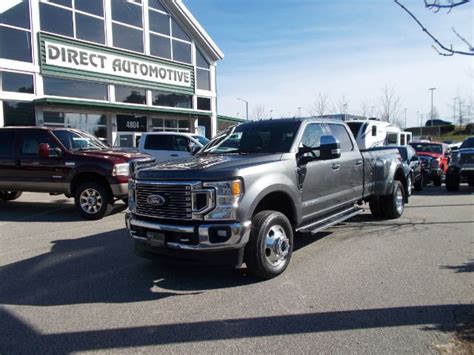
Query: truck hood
[[117, 156], [427, 154], [205, 167]]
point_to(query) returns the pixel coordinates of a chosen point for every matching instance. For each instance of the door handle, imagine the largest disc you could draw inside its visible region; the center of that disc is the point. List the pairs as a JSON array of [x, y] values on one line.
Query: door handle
[[359, 162], [335, 166], [174, 155]]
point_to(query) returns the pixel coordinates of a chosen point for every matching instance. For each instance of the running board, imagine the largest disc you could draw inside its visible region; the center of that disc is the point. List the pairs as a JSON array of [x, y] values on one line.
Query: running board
[[327, 222]]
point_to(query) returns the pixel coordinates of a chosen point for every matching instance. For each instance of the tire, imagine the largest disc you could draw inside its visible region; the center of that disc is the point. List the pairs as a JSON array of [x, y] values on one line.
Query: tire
[[376, 207], [452, 182], [9, 195], [438, 180], [393, 205], [267, 260], [419, 184], [470, 182], [93, 209]]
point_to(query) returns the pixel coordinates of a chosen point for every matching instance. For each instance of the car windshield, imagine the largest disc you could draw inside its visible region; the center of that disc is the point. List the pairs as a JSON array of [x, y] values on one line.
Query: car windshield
[[76, 140], [254, 138], [468, 143], [201, 139], [427, 148]]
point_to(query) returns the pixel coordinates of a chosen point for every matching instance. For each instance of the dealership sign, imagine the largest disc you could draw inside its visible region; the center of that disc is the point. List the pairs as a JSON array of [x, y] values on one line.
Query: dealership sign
[[77, 57]]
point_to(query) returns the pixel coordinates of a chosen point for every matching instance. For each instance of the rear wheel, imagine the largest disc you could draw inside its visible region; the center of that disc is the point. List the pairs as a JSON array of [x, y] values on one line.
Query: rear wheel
[[419, 184], [393, 205], [452, 182], [470, 182], [270, 247], [438, 180], [375, 205], [9, 195], [93, 200]]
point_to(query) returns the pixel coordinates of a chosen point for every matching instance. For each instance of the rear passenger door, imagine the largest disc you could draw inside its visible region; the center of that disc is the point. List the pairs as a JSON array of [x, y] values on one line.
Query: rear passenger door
[[350, 164], [8, 159]]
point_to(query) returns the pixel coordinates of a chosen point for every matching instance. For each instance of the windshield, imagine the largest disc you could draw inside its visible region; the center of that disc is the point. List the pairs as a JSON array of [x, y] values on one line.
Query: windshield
[[428, 148], [75, 140], [201, 139], [468, 143], [255, 137]]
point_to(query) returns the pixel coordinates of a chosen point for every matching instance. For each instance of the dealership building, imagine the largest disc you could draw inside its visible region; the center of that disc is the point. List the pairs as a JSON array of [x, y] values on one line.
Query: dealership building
[[115, 68]]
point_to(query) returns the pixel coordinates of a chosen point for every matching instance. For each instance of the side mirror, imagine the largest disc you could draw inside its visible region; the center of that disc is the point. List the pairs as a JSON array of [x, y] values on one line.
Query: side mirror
[[43, 150], [193, 148], [414, 158], [329, 148]]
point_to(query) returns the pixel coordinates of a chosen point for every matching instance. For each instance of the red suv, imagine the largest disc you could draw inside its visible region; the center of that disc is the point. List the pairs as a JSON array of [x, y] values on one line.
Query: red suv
[[65, 161], [435, 158]]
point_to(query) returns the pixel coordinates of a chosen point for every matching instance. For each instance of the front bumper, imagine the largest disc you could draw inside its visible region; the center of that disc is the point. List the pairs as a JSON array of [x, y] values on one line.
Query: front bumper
[[119, 190], [196, 237]]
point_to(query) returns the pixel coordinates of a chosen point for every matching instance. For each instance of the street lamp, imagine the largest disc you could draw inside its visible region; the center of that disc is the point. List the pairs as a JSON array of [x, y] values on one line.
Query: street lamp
[[405, 117], [431, 115], [246, 107], [271, 113], [299, 111]]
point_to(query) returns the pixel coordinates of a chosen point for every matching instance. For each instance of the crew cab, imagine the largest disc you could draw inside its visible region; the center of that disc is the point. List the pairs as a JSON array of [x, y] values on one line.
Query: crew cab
[[435, 158], [245, 194], [462, 166], [64, 161]]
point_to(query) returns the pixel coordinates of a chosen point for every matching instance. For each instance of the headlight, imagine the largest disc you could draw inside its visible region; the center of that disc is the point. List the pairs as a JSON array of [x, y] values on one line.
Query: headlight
[[228, 195], [121, 170]]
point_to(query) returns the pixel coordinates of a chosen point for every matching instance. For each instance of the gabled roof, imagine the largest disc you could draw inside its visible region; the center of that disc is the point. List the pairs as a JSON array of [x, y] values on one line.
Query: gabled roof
[[195, 29]]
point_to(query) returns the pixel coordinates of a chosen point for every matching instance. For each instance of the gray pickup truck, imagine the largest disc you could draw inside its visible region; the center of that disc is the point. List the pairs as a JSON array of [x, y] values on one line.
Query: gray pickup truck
[[244, 195]]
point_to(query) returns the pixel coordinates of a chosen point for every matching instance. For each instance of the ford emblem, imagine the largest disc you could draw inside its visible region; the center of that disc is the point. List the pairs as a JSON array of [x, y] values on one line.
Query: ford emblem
[[156, 200]]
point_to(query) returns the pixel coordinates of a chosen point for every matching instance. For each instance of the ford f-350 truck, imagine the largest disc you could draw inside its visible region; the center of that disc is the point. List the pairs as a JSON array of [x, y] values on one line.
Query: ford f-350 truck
[[244, 196]]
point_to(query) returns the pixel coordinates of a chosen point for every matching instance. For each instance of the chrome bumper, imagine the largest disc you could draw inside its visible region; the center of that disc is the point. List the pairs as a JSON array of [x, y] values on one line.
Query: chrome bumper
[[119, 190], [239, 237]]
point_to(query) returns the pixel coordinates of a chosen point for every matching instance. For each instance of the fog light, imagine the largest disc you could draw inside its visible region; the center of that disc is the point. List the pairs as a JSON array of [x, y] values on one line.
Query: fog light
[[219, 234]]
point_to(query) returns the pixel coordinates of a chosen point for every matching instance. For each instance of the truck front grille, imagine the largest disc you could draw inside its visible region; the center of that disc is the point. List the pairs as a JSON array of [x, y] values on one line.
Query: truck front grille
[[164, 201], [467, 158]]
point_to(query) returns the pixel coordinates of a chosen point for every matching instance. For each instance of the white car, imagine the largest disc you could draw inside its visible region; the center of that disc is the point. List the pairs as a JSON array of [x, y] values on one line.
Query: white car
[[165, 146]]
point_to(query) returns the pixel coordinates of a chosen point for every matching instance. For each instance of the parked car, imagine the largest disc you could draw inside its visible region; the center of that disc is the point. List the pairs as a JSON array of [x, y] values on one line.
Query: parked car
[[462, 166], [412, 166], [437, 122], [64, 161], [248, 191], [435, 158], [164, 146]]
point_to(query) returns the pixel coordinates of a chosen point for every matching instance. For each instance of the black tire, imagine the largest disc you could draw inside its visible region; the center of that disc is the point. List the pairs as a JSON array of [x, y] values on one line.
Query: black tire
[[419, 184], [393, 205], [376, 207], [452, 182], [9, 195], [470, 182], [257, 253], [438, 180], [104, 201]]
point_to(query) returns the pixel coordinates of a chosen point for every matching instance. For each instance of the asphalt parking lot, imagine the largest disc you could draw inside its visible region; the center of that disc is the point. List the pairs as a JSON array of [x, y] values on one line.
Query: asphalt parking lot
[[402, 286]]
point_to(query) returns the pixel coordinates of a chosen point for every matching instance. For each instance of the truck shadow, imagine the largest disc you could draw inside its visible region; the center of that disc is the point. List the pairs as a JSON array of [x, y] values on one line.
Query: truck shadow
[[458, 269]]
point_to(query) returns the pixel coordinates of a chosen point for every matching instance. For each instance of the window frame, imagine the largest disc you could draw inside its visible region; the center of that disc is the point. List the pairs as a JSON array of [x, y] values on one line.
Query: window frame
[[21, 73], [142, 28], [29, 31]]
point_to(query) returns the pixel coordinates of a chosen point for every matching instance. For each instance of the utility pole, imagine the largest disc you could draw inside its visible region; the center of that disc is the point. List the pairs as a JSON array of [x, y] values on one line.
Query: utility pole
[[460, 113], [406, 118], [421, 125], [299, 111], [454, 110], [246, 107], [372, 111], [431, 114], [271, 113]]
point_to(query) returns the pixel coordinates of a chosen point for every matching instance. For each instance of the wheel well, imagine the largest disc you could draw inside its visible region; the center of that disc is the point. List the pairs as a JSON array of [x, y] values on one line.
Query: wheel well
[[400, 176], [88, 177], [280, 202]]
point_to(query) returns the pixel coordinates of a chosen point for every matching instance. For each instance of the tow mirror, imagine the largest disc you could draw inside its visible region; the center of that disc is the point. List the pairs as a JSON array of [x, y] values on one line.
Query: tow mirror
[[329, 148], [43, 150]]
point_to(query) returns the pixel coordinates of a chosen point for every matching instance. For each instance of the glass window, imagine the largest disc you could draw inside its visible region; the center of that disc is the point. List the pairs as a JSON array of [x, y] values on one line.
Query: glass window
[[159, 22], [341, 134], [56, 20], [374, 131], [201, 61], [312, 136], [171, 124], [157, 123], [7, 140], [159, 142], [128, 12], [95, 7], [32, 139], [178, 31], [78, 140], [160, 46], [18, 113], [15, 82], [90, 28], [162, 98], [182, 51], [15, 13], [74, 88], [15, 44], [67, 3], [53, 118], [184, 125], [203, 81], [130, 95], [180, 143], [128, 38], [203, 103], [156, 4]]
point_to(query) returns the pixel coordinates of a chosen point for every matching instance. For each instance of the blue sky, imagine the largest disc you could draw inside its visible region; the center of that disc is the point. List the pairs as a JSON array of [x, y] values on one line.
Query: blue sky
[[281, 53]]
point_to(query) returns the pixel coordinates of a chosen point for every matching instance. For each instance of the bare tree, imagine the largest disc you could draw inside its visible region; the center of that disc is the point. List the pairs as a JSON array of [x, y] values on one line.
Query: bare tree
[[258, 112], [365, 109], [343, 105], [320, 106], [390, 104], [437, 6]]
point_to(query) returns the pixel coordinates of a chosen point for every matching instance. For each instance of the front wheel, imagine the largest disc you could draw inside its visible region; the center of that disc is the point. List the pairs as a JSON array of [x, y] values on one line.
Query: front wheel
[[393, 205], [9, 195], [93, 200], [438, 180], [270, 247], [452, 182]]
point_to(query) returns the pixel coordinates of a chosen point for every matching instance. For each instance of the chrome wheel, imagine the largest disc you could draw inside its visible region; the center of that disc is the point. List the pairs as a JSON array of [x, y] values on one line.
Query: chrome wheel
[[277, 246], [91, 201], [399, 203]]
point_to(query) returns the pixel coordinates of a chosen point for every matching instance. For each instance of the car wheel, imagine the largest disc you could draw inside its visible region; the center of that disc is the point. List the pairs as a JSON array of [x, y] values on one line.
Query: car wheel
[[375, 205], [438, 180], [393, 205], [470, 182], [419, 184], [93, 200], [269, 250], [9, 195], [452, 182]]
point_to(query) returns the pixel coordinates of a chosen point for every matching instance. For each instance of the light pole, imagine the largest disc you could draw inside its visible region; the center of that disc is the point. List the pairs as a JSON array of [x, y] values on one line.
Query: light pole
[[246, 107], [271, 113], [432, 95], [405, 117], [299, 111], [454, 110]]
